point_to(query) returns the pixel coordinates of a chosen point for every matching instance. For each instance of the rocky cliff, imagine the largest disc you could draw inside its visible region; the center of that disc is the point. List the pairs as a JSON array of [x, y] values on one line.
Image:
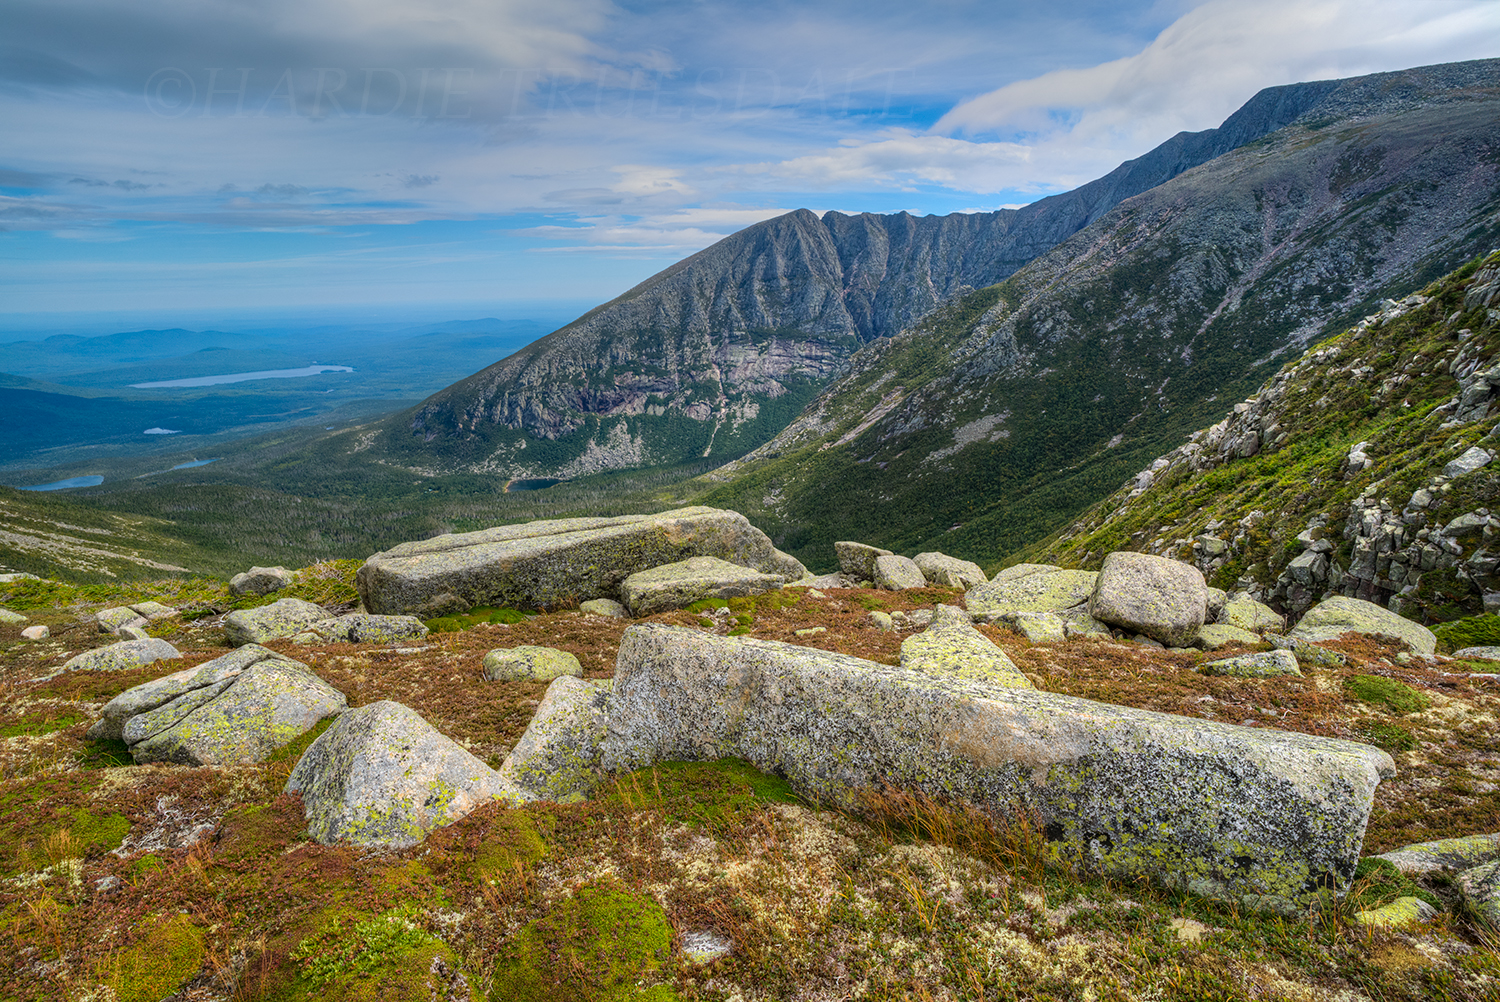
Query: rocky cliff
[[1361, 469], [996, 418], [717, 353]]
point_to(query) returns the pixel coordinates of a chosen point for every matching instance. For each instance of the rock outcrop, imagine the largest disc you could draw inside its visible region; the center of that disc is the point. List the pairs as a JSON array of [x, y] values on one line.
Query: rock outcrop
[[545, 563], [285, 617], [235, 709], [530, 663], [897, 573], [950, 646], [672, 586], [383, 777], [1028, 588], [1163, 599], [558, 758], [1257, 816], [123, 655], [1333, 617], [260, 581], [363, 628], [950, 572]]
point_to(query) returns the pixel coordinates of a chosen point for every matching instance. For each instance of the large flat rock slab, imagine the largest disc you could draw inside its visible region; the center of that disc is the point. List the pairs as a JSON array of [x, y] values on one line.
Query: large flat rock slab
[[383, 777], [547, 563], [236, 709], [1031, 588], [672, 586], [123, 655], [1262, 817], [1333, 617]]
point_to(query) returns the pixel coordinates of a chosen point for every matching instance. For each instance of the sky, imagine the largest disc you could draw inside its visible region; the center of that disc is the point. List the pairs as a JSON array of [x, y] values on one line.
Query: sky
[[438, 158]]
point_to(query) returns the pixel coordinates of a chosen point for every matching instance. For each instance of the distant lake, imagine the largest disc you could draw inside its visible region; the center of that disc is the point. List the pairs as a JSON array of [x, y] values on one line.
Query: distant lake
[[541, 483], [240, 377], [63, 485], [196, 462]]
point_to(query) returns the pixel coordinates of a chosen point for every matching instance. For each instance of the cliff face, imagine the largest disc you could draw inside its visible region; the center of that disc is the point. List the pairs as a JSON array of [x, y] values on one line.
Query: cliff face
[[717, 353], [995, 419], [1364, 468]]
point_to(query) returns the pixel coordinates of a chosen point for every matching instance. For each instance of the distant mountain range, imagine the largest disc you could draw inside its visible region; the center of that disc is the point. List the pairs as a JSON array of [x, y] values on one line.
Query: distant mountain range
[[972, 380]]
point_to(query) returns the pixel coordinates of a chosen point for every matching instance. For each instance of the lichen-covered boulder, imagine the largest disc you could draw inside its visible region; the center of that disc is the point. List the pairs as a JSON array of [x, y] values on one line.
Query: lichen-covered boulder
[[260, 581], [858, 559], [41, 631], [235, 709], [1039, 627], [950, 572], [1307, 655], [1481, 887], [1031, 588], [1262, 817], [951, 646], [1402, 913], [383, 777], [529, 663], [1263, 664], [123, 655], [558, 756], [153, 610], [1484, 653], [1157, 597], [672, 586], [1248, 614], [897, 573], [557, 562], [111, 620], [1333, 617], [283, 618], [363, 628], [1213, 608], [1212, 636], [1455, 854], [12, 618], [606, 607]]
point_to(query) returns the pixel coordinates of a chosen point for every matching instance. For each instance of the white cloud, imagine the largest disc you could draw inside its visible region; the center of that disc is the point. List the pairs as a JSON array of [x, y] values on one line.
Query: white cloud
[[1215, 57], [900, 158]]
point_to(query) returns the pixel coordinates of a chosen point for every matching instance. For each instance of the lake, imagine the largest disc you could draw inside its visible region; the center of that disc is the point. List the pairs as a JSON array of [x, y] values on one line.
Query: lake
[[240, 377], [63, 485]]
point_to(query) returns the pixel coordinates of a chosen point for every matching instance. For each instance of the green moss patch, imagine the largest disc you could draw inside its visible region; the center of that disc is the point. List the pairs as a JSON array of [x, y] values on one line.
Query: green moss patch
[[156, 965], [594, 946], [1378, 882], [1473, 631], [39, 723], [474, 617], [1390, 737], [714, 794], [1397, 697]]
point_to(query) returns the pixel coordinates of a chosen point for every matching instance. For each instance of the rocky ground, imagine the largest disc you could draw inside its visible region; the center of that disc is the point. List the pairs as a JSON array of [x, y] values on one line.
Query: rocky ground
[[709, 881]]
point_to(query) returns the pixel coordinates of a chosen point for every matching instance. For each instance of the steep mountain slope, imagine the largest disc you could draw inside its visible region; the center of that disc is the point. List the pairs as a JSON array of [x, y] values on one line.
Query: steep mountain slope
[[992, 421], [717, 353], [1364, 469]]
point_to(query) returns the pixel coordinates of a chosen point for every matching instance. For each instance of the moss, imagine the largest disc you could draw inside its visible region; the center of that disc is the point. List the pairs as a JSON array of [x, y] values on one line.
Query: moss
[[101, 831], [511, 843], [38, 724], [1472, 631], [1397, 697], [474, 617], [292, 751], [1390, 737], [594, 946], [156, 965], [1378, 882], [712, 794], [104, 755]]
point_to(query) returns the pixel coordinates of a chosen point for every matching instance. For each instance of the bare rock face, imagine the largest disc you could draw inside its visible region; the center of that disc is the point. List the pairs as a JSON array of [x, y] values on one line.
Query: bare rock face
[[383, 777], [1261, 817], [545, 563], [235, 709], [1163, 599]]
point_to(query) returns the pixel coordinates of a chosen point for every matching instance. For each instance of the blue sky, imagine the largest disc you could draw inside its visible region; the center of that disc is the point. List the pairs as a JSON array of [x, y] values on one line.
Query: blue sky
[[191, 156]]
